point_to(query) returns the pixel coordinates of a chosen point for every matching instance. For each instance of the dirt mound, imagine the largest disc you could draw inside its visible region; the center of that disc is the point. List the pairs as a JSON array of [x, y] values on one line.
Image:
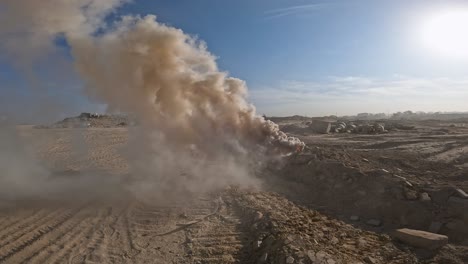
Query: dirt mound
[[380, 195], [86, 120]]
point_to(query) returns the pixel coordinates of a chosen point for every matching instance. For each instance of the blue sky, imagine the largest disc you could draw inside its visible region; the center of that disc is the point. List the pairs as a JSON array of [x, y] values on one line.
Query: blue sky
[[319, 57]]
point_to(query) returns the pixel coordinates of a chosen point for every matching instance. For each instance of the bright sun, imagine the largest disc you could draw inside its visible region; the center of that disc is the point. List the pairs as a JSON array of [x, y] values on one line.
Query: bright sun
[[445, 32]]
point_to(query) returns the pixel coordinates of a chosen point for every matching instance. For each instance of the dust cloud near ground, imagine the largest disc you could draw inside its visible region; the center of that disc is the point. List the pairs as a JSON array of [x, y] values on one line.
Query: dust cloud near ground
[[194, 119]]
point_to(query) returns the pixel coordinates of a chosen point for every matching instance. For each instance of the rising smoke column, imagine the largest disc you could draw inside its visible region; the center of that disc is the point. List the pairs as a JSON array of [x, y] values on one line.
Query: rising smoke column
[[172, 83], [192, 114]]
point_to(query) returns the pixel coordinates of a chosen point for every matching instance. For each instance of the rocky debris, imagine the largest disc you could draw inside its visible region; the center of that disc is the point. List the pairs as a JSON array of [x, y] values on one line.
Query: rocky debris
[[325, 127], [376, 128], [88, 115], [340, 127], [410, 194], [87, 120], [421, 239], [315, 127], [257, 244], [258, 216], [320, 257], [293, 234], [370, 260], [424, 197]]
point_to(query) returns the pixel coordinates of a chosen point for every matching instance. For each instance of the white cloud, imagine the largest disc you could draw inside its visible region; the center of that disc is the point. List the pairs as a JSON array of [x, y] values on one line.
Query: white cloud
[[350, 95]]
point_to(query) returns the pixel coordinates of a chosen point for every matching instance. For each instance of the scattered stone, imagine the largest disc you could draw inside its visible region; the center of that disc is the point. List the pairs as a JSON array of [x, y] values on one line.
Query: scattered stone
[[362, 243], [289, 260], [421, 239], [370, 260], [319, 257], [183, 215], [435, 227], [425, 197], [460, 193], [258, 216], [410, 194], [349, 247], [386, 171], [409, 184], [354, 218], [254, 227], [400, 177], [374, 222], [257, 244], [335, 241]]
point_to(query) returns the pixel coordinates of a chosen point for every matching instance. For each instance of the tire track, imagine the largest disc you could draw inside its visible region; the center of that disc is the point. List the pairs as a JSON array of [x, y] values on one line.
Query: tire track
[[14, 233], [84, 246], [121, 247], [75, 241], [220, 239], [101, 253], [27, 239], [61, 240], [98, 245], [14, 224]]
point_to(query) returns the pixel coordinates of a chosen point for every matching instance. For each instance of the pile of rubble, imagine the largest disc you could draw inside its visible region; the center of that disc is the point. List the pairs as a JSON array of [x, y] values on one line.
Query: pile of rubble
[[287, 233], [87, 120], [326, 127], [343, 127]]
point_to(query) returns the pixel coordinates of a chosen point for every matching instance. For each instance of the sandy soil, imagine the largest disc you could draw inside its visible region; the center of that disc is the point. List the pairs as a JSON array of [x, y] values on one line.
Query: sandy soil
[[299, 217]]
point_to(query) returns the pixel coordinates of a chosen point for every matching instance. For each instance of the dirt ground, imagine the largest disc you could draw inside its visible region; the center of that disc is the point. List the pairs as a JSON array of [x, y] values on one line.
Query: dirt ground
[[301, 215]]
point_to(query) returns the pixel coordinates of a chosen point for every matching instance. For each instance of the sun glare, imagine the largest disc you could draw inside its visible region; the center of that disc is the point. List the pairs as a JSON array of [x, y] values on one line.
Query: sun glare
[[445, 32]]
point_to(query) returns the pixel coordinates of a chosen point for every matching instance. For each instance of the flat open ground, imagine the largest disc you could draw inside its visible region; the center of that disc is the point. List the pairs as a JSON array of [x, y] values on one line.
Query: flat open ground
[[301, 214]]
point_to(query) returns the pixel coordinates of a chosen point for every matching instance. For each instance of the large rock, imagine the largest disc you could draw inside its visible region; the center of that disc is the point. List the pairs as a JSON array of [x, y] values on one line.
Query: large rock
[[421, 239], [461, 193], [319, 126]]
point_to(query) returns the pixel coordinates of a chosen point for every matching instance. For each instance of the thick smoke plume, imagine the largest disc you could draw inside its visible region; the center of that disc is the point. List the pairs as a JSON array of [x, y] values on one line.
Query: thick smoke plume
[[196, 123]]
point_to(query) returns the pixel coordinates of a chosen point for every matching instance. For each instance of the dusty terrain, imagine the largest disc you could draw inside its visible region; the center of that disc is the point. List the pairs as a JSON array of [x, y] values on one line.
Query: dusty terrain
[[301, 215]]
